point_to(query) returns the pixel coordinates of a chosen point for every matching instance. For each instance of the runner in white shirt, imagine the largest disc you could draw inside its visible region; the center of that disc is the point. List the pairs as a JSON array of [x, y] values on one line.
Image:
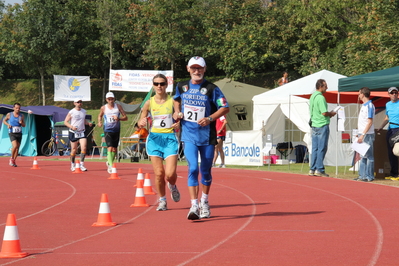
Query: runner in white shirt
[[76, 122]]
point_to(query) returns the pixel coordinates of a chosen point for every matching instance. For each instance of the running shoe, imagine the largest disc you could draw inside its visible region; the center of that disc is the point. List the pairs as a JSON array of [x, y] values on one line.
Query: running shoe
[[109, 168], [174, 193], [72, 167], [162, 206], [222, 166], [311, 173], [193, 214], [82, 167], [367, 180], [205, 211], [12, 162], [317, 173]]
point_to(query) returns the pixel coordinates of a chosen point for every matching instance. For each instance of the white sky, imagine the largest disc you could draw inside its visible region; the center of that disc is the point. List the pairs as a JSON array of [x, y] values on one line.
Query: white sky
[[13, 2]]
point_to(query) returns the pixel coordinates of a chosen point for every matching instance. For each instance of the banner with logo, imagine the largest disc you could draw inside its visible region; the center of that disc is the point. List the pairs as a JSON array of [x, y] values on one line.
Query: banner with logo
[[69, 88], [137, 80], [244, 148]]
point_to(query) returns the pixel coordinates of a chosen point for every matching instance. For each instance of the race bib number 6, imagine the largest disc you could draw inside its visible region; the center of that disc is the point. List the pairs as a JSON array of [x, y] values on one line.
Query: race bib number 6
[[193, 113], [163, 121]]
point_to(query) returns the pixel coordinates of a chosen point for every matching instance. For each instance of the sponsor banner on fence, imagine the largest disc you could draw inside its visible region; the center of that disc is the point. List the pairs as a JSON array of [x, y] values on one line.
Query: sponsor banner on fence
[[136, 80], [244, 148], [70, 88]]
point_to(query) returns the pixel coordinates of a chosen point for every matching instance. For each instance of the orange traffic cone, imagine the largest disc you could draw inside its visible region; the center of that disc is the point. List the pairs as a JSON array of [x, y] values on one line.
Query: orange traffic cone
[[77, 168], [140, 178], [147, 185], [139, 201], [114, 174], [35, 165], [11, 247], [104, 213]]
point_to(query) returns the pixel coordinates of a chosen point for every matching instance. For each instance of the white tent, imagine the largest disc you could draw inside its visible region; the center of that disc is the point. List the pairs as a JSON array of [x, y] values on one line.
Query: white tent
[[271, 108]]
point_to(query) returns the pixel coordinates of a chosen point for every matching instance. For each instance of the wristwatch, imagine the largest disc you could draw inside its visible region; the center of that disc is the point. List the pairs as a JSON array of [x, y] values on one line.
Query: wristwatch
[[210, 118]]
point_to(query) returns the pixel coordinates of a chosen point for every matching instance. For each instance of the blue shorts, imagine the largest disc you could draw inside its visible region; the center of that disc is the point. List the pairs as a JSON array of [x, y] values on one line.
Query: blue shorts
[[72, 137], [221, 137], [162, 145]]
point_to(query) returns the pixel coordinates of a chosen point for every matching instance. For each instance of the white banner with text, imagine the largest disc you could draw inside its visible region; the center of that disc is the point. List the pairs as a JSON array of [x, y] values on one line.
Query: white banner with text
[[137, 80], [243, 148]]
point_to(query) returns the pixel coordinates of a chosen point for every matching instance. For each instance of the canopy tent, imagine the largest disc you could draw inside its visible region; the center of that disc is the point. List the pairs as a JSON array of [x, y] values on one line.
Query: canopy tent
[[239, 96], [130, 108], [379, 98], [37, 129], [272, 107], [379, 80]]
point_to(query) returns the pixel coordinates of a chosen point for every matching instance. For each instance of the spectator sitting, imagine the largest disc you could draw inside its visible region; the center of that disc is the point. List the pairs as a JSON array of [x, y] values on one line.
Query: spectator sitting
[[139, 133]]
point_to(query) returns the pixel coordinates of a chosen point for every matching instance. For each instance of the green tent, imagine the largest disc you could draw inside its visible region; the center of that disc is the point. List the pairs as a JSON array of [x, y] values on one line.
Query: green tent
[[239, 96], [379, 80]]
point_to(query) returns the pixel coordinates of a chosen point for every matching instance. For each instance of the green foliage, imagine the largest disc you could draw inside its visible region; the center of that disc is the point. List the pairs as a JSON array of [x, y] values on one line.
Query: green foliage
[[239, 39], [373, 45]]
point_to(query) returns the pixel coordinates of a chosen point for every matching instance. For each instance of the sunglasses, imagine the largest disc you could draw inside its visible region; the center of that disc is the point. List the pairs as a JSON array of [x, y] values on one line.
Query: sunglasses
[[197, 68], [393, 92], [79, 102], [159, 83]]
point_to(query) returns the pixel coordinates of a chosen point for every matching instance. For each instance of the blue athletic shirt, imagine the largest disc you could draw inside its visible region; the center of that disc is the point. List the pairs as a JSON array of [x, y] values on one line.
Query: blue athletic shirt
[[198, 101], [392, 111], [14, 122]]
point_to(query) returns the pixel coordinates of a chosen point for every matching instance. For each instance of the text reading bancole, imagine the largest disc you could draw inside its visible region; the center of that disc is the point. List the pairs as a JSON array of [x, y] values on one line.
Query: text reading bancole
[[244, 151]]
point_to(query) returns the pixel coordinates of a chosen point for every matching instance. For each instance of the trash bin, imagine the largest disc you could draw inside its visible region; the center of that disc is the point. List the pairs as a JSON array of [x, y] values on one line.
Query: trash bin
[[300, 153], [62, 132], [63, 135]]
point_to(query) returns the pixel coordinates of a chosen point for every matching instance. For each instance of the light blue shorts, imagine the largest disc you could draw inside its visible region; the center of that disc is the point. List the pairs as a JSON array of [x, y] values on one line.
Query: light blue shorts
[[162, 145]]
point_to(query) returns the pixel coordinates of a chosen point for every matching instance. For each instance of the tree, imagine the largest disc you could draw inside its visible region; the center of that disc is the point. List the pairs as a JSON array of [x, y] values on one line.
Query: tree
[[34, 36], [235, 36], [166, 31], [372, 45], [318, 30]]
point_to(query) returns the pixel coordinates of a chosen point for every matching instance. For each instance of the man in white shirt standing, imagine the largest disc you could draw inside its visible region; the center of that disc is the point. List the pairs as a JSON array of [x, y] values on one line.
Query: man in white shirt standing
[[366, 134]]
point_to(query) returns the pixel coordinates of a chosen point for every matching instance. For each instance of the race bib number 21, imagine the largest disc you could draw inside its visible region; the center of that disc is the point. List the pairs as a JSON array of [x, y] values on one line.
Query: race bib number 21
[[193, 113]]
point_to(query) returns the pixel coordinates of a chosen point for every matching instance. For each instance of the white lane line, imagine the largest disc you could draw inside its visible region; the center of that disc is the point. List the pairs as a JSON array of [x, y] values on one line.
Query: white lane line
[[380, 232], [52, 206], [250, 218]]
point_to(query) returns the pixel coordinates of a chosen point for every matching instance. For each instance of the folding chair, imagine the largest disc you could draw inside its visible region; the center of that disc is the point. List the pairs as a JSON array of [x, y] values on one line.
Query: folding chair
[[103, 145]]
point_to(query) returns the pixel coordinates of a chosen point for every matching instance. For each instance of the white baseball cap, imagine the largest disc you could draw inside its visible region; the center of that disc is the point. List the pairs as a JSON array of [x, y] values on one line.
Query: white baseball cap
[[197, 60], [109, 95], [392, 89]]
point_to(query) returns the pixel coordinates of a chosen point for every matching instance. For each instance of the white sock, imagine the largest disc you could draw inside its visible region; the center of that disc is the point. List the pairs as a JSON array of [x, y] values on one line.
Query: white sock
[[204, 197], [194, 202], [162, 198]]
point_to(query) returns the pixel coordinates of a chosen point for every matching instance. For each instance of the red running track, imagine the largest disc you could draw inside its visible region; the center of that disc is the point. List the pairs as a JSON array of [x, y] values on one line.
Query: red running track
[[258, 218]]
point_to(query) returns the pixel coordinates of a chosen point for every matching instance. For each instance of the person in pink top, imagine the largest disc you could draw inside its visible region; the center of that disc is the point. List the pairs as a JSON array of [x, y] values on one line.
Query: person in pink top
[[221, 123]]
